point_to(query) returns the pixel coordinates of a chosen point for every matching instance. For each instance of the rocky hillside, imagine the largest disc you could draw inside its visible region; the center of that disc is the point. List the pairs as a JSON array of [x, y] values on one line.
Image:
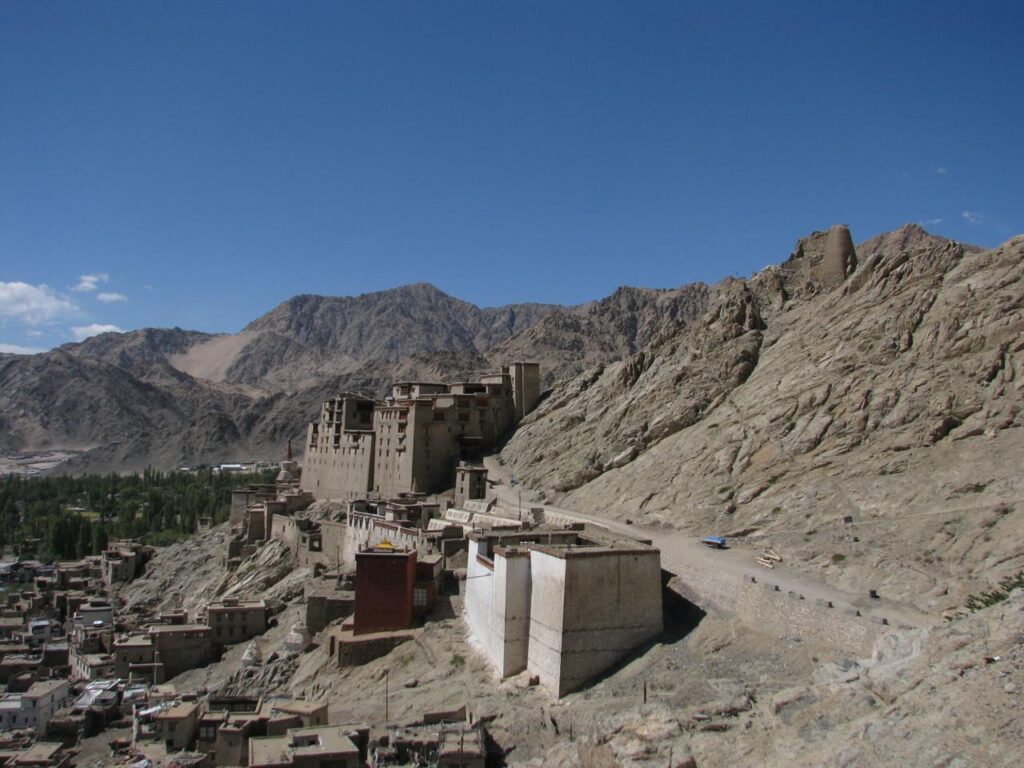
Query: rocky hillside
[[167, 397], [568, 340], [309, 337], [879, 384]]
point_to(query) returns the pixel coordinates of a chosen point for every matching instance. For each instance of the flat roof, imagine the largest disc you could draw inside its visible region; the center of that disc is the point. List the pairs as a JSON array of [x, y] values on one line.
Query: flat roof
[[45, 686], [231, 603], [169, 629], [41, 751], [568, 551], [281, 750], [133, 640], [296, 706], [178, 711]]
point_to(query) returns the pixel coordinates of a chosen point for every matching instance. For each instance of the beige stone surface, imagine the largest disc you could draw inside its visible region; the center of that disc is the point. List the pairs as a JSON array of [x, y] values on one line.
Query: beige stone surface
[[891, 396]]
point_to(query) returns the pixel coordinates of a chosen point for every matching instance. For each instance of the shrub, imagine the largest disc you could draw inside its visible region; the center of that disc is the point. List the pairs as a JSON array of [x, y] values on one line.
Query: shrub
[[997, 595]]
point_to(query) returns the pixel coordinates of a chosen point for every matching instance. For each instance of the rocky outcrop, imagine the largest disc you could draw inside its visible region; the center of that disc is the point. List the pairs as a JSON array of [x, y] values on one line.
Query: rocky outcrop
[[571, 339], [846, 382]]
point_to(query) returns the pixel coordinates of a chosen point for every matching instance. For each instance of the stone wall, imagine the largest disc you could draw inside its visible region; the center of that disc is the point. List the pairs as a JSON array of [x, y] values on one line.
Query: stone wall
[[611, 605], [340, 473], [780, 613], [324, 607], [511, 612], [788, 614]]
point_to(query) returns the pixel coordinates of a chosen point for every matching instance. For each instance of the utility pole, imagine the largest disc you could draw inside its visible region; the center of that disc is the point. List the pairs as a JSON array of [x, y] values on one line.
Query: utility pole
[[387, 716], [645, 690]]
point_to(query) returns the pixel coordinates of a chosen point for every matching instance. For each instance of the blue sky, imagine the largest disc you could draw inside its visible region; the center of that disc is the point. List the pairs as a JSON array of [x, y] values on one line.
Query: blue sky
[[196, 163]]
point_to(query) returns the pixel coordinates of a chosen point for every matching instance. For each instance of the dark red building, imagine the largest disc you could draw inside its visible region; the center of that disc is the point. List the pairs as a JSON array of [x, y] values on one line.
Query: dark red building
[[385, 578]]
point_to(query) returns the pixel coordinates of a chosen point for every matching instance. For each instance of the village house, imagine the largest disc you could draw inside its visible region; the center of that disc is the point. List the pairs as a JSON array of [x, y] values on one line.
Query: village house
[[470, 483], [163, 651], [122, 561], [229, 722], [34, 707], [447, 744], [176, 725], [232, 620], [42, 754], [326, 746]]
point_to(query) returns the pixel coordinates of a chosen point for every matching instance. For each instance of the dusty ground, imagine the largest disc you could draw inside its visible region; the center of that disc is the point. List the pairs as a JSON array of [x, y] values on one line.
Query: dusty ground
[[34, 462], [722, 688]]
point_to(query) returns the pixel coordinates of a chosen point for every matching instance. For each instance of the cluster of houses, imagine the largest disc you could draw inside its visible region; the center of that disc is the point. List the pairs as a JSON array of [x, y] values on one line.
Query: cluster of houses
[[554, 598], [281, 732], [559, 599]]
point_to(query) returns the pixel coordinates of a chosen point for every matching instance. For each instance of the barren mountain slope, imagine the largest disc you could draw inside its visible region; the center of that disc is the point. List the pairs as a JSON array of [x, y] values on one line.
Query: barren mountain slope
[[309, 337], [211, 426], [60, 400], [137, 351], [568, 340], [885, 388]]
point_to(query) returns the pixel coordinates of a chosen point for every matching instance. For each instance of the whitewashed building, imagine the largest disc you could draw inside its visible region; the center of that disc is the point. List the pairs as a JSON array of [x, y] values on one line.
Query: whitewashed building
[[564, 604]]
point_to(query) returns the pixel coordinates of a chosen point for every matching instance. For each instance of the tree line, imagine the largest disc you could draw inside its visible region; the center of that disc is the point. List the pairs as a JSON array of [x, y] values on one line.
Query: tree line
[[72, 517]]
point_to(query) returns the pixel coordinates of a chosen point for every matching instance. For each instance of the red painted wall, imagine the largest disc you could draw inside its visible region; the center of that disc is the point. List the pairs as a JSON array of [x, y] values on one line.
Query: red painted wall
[[384, 583]]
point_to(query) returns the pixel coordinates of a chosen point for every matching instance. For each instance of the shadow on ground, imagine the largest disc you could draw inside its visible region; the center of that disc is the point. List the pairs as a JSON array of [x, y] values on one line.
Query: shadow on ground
[[680, 614]]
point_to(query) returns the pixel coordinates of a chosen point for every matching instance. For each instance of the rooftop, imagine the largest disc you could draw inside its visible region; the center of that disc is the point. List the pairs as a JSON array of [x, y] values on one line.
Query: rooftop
[[179, 711], [171, 629], [300, 742], [230, 602], [41, 751], [45, 687]]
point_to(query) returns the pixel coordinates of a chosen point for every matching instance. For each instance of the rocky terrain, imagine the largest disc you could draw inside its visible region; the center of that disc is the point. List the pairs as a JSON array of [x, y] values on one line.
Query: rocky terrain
[[722, 687], [858, 407], [167, 397], [568, 340]]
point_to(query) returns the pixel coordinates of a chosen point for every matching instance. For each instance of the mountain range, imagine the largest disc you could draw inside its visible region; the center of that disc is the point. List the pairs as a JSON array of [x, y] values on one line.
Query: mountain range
[[858, 409], [855, 404], [168, 397]]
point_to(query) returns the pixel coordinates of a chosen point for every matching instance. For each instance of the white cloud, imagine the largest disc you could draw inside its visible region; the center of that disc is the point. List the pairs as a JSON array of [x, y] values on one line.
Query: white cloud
[[89, 283], [932, 221], [941, 171], [14, 349], [973, 217], [83, 332], [108, 298], [32, 304]]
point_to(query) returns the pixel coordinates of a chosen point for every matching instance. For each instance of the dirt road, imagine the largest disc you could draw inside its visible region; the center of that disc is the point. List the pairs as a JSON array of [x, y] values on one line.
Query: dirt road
[[683, 555]]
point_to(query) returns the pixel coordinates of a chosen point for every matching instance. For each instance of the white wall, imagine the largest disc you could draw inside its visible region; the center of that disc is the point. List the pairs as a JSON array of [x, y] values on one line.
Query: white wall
[[612, 605], [479, 603], [564, 618], [547, 603], [512, 612]]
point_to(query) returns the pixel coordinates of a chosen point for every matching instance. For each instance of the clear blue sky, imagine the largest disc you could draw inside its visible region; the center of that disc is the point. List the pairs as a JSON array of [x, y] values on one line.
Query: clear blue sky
[[203, 161]]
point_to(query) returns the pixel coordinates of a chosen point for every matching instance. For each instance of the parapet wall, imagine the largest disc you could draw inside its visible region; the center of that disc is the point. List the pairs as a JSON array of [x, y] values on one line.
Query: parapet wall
[[768, 608], [789, 614]]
